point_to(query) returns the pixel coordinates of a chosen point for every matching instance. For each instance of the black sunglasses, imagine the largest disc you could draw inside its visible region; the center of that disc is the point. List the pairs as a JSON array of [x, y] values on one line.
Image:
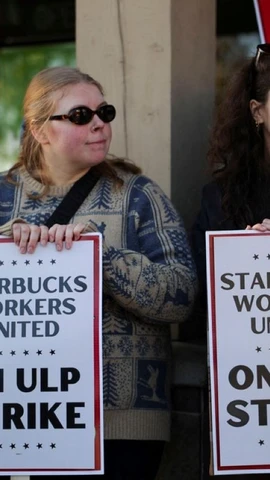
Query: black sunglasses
[[83, 115], [262, 49]]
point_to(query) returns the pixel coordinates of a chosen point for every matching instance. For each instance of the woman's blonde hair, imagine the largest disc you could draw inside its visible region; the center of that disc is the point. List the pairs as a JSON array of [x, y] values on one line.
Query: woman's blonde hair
[[38, 106]]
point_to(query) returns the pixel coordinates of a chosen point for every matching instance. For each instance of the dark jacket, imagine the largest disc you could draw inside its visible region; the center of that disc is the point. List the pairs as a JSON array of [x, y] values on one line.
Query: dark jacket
[[210, 217]]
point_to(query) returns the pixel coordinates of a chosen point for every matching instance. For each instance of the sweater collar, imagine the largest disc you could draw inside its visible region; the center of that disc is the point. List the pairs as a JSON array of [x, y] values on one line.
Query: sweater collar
[[33, 185]]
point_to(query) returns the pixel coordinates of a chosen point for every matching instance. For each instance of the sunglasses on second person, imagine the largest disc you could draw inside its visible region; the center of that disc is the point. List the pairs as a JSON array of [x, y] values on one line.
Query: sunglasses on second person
[[83, 115], [262, 49]]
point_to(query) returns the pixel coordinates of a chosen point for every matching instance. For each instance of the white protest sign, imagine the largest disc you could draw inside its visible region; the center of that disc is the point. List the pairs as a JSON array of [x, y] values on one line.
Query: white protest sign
[[238, 271], [51, 413]]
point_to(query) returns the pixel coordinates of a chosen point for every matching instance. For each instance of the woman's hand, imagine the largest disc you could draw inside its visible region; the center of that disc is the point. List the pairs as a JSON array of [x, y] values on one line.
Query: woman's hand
[[65, 234], [261, 227], [26, 236]]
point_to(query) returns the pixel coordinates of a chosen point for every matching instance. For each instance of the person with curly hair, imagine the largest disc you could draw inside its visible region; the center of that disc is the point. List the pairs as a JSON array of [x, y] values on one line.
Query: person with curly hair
[[238, 196]]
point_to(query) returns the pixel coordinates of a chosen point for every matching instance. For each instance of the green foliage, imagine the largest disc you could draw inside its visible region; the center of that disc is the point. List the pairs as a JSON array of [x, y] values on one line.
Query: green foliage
[[17, 66]]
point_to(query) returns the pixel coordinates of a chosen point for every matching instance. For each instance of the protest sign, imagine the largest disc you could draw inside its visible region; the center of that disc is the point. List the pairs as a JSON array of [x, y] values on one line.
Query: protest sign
[[238, 274], [51, 419], [262, 11]]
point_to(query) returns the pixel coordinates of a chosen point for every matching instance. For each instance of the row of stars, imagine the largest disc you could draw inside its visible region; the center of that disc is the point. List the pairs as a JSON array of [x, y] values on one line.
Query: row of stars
[[27, 352], [27, 445], [53, 445], [27, 262], [259, 349], [256, 256]]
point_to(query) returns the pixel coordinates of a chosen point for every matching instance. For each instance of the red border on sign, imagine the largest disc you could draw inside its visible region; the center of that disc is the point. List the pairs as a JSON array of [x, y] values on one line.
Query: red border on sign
[[97, 414], [220, 467]]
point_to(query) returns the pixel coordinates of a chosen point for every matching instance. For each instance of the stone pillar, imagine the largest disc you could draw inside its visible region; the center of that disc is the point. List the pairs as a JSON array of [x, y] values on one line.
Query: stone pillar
[[126, 44], [156, 60], [193, 50]]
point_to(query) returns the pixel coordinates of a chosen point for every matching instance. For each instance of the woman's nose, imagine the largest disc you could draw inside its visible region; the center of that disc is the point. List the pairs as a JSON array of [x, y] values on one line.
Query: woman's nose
[[97, 123]]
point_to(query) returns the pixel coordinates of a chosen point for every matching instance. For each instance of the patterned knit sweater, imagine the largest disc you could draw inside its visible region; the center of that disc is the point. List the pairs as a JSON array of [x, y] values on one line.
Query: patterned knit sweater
[[149, 282]]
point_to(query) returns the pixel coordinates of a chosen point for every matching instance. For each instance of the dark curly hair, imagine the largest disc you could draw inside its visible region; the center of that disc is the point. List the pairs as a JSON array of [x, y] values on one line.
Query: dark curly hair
[[236, 153]]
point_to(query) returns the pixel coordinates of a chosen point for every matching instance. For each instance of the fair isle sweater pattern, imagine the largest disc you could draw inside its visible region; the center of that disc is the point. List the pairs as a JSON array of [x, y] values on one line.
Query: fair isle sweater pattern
[[149, 282]]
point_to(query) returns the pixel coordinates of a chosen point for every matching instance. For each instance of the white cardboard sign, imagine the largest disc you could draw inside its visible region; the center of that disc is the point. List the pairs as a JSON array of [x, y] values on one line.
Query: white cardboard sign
[[238, 273], [51, 412]]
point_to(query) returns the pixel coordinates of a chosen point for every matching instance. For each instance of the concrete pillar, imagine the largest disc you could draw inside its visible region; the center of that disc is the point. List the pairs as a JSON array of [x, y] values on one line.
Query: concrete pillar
[[193, 29], [156, 60]]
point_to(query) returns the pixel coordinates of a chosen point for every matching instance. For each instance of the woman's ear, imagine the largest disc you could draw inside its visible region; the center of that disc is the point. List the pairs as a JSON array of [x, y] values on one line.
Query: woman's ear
[[39, 133], [256, 109]]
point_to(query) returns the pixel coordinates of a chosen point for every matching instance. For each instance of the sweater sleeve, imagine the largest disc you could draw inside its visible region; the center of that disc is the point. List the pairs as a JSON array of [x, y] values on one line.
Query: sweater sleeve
[[154, 276]]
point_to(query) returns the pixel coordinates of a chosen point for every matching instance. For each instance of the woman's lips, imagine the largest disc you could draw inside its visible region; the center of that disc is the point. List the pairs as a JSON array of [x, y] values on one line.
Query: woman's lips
[[96, 142]]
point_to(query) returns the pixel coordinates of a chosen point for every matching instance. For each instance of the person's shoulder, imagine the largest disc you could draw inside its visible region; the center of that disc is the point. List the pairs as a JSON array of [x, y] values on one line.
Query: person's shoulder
[[211, 193], [4, 178], [211, 188], [142, 181], [125, 175], [210, 216], [134, 179], [138, 185], [3, 175], [7, 188]]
